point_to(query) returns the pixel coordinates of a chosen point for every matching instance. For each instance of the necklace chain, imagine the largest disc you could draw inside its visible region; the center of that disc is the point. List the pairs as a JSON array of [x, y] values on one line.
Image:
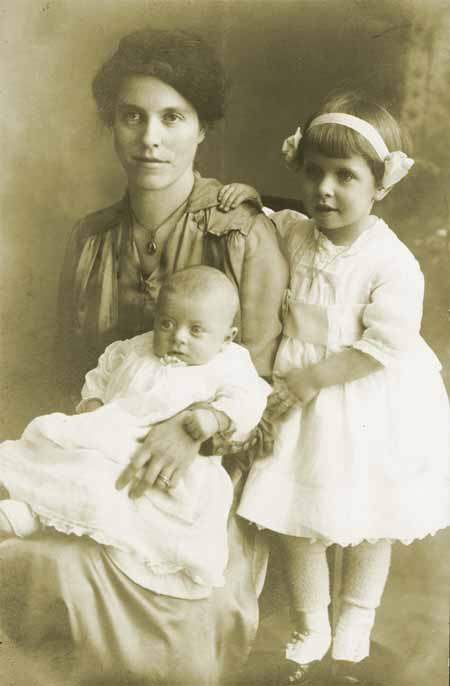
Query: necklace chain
[[152, 246], [315, 271]]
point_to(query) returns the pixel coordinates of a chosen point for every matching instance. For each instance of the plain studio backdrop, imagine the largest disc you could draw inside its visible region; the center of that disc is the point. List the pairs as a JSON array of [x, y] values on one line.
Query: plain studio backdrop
[[282, 57]]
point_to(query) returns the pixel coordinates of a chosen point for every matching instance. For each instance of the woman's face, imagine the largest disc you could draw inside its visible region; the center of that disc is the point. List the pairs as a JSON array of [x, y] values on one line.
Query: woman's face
[[156, 133]]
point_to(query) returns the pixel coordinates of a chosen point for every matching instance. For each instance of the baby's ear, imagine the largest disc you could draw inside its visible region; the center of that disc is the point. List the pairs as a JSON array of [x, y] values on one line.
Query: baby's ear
[[231, 334]]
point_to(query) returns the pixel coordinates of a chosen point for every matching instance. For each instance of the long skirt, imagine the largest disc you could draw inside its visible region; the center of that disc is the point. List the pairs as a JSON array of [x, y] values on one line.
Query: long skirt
[[77, 620]]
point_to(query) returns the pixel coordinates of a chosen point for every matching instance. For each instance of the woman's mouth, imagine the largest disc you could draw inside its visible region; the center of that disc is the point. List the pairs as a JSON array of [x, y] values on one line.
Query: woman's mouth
[[150, 161]]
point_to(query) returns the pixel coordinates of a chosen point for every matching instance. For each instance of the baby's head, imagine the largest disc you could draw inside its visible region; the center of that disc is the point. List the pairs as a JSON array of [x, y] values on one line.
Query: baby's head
[[338, 141], [195, 312]]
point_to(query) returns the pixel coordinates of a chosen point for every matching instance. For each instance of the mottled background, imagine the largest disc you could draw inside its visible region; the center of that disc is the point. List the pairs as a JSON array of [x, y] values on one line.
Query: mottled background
[[282, 57]]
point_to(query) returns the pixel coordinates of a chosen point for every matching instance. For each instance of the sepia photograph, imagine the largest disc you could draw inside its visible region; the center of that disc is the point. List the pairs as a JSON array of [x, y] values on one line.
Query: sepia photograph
[[224, 398]]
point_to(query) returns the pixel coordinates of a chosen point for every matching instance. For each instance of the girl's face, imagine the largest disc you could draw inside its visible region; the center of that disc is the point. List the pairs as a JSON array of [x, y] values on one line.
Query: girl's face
[[156, 133], [338, 194]]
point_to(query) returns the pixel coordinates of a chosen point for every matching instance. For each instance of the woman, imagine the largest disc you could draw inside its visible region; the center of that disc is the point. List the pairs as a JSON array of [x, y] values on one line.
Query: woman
[[158, 94]]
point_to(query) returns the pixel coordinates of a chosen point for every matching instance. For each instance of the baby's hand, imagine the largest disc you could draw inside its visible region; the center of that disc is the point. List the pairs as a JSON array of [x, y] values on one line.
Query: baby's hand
[[200, 424], [88, 405], [234, 194]]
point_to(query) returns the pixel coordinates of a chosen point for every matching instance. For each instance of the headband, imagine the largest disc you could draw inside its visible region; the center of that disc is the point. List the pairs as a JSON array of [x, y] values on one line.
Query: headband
[[396, 164]]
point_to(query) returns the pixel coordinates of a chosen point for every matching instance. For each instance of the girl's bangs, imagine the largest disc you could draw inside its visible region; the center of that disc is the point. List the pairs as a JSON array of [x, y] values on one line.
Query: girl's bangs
[[334, 140]]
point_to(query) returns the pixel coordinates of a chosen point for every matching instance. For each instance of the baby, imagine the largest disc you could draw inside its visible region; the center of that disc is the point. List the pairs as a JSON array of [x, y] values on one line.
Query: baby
[[63, 471]]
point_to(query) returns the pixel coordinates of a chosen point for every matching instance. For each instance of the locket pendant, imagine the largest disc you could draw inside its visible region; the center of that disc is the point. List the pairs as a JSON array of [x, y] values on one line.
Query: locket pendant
[[151, 247]]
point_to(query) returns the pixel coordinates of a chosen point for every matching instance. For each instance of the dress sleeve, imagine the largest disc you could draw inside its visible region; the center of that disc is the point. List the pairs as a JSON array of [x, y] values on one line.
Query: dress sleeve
[[72, 354], [287, 222], [243, 394], [263, 283], [96, 381], [393, 317]]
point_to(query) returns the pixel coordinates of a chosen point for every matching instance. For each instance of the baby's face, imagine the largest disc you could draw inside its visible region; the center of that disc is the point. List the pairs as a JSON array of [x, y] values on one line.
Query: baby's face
[[193, 329]]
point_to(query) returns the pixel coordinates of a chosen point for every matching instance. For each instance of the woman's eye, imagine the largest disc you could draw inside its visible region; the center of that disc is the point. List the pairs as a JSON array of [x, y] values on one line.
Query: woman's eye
[[132, 117], [172, 117]]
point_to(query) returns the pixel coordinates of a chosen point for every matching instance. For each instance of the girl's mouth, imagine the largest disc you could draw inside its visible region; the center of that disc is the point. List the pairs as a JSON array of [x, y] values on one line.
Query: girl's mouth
[[324, 209]]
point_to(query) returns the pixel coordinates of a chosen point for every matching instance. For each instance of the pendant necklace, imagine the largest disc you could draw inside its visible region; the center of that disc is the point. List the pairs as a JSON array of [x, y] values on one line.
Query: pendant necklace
[[152, 245]]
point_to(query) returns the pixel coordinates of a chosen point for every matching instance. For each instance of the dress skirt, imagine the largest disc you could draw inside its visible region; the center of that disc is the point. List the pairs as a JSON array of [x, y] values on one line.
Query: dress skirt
[[79, 621]]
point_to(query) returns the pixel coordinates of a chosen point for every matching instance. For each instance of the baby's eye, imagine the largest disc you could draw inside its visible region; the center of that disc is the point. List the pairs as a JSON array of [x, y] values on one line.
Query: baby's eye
[[165, 324], [196, 330]]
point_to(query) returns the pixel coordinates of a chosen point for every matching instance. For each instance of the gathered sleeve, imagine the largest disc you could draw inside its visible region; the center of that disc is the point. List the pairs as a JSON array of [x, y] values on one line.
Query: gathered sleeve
[[243, 394], [393, 317], [263, 283], [97, 380]]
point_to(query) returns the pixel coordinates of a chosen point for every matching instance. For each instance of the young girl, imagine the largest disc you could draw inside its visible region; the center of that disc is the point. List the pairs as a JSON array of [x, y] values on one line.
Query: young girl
[[362, 458], [62, 472]]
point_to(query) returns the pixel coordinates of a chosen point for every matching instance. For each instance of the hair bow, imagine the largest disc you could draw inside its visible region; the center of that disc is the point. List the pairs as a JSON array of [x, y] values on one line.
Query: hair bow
[[289, 149], [396, 165]]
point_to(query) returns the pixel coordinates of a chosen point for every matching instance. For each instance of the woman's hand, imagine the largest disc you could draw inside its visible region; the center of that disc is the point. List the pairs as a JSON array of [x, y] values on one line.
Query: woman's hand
[[234, 194], [301, 384], [162, 459]]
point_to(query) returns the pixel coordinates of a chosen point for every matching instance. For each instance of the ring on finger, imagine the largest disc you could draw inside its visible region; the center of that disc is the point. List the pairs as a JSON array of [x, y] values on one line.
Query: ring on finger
[[165, 481]]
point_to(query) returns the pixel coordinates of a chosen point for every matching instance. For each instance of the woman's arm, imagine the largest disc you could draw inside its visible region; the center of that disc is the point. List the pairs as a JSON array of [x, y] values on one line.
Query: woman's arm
[[263, 283]]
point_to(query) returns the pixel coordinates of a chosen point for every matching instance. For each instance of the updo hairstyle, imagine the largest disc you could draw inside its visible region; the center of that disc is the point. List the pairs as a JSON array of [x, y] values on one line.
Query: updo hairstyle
[[180, 59]]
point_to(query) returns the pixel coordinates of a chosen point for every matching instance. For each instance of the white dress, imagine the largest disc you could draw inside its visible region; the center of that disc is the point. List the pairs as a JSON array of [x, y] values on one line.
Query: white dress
[[365, 460], [65, 467]]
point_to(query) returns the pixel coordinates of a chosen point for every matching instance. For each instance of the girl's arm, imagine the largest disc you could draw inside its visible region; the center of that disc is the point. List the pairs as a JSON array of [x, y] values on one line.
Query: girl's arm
[[391, 324], [344, 367]]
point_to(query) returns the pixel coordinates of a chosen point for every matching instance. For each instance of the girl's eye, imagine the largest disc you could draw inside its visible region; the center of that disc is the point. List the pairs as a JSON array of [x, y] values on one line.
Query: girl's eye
[[345, 176], [196, 330], [311, 171]]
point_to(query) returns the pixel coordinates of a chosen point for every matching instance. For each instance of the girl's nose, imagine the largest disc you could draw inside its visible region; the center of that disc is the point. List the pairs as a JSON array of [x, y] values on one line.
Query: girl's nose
[[152, 133], [325, 186]]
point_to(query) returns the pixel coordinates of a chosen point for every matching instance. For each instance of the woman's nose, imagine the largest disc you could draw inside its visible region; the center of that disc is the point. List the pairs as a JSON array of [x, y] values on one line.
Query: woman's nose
[[152, 132]]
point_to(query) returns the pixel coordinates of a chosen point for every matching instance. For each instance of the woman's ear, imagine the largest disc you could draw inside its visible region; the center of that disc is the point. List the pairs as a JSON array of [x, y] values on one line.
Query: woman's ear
[[201, 134]]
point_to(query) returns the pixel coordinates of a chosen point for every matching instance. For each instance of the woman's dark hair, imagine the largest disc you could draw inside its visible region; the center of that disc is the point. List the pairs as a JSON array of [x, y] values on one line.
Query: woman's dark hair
[[180, 59], [335, 140]]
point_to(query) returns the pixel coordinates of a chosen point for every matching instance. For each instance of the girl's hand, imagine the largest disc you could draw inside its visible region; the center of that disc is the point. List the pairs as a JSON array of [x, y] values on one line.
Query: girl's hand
[[234, 194], [280, 402], [163, 458], [302, 385]]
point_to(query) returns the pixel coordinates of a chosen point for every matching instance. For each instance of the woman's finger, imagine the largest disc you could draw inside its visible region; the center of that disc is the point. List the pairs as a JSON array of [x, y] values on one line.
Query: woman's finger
[[137, 462], [175, 478], [150, 475]]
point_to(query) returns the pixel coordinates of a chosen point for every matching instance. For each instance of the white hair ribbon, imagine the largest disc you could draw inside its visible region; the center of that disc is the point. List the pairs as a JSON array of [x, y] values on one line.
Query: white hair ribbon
[[396, 164]]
